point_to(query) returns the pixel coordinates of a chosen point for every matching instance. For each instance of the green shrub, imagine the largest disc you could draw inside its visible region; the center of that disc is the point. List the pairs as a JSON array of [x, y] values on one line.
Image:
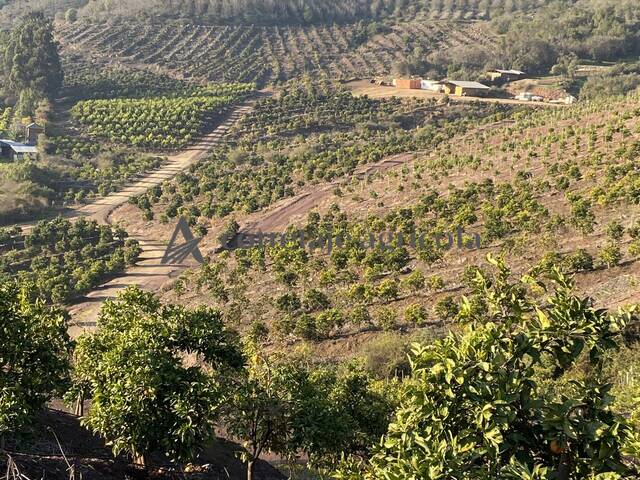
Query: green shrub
[[306, 327], [416, 314], [446, 308]]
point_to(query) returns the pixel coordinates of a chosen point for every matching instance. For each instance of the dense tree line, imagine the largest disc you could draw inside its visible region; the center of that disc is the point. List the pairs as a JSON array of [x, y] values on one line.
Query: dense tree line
[[31, 64], [588, 29], [60, 260], [619, 80]]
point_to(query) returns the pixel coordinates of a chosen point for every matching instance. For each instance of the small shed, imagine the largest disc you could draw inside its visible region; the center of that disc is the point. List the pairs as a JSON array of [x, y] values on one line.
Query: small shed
[[465, 89], [31, 133], [505, 76], [14, 150], [431, 85], [408, 83]]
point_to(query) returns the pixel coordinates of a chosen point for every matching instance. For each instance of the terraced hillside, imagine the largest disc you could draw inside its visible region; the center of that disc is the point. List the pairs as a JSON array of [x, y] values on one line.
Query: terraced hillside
[[265, 54], [270, 13], [541, 187], [309, 11]]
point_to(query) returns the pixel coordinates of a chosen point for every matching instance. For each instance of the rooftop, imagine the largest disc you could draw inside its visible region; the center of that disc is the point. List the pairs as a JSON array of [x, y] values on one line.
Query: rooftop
[[19, 147], [509, 72], [464, 84]]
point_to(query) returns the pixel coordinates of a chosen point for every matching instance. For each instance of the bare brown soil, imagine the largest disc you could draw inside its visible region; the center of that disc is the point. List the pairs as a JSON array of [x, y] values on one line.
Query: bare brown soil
[[387, 187], [394, 185], [291, 210], [59, 448]]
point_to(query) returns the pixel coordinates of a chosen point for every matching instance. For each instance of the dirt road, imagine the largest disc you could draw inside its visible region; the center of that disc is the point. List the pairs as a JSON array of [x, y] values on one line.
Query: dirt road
[[148, 273], [287, 211], [102, 207]]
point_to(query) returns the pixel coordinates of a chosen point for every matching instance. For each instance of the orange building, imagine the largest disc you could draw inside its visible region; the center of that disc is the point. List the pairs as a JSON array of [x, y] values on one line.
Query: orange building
[[412, 83]]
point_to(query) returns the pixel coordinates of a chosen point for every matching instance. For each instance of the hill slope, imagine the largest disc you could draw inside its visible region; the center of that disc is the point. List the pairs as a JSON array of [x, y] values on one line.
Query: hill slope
[[535, 193], [265, 54], [271, 12]]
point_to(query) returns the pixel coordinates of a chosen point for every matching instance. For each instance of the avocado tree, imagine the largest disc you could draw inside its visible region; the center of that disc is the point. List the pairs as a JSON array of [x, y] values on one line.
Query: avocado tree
[[154, 375], [477, 406], [34, 356]]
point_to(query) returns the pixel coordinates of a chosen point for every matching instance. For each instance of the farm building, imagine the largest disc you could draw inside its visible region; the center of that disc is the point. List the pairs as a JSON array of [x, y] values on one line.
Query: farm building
[[505, 76], [568, 100], [465, 89], [432, 85], [10, 150], [529, 97], [31, 133], [407, 83]]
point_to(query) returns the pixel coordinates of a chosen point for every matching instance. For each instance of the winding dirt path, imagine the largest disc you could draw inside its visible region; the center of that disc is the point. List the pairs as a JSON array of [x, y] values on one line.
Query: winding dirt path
[[151, 275], [102, 207], [148, 273]]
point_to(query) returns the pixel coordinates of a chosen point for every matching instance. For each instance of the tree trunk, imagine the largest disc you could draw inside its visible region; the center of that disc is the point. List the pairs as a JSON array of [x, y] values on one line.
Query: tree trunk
[[250, 464], [139, 459], [79, 406], [564, 469]]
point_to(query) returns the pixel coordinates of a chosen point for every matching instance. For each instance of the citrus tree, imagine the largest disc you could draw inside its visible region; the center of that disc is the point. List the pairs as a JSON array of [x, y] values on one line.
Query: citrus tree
[[476, 406], [153, 374], [288, 407], [34, 356], [156, 122]]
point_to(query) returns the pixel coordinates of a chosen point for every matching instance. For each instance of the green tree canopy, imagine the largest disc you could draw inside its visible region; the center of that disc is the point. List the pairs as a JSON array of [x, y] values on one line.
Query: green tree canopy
[[153, 374], [34, 356], [476, 406], [31, 62], [288, 407]]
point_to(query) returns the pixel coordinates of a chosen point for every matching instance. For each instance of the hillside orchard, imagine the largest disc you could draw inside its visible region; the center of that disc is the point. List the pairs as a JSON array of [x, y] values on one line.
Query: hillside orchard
[[157, 122], [520, 391], [60, 260]]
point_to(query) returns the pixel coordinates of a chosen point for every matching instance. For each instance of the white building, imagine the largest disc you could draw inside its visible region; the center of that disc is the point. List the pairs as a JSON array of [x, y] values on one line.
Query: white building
[[432, 85]]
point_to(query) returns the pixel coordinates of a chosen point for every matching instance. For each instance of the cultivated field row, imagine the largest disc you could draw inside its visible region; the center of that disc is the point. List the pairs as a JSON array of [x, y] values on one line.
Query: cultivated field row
[[266, 54]]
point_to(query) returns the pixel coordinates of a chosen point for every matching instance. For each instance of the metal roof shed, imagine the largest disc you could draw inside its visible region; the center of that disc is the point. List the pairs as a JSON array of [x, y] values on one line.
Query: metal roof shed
[[464, 84], [18, 149], [462, 88]]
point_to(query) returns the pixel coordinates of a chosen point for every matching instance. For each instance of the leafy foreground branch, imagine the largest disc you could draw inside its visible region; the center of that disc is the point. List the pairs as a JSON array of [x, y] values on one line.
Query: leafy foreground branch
[[154, 374], [160, 378], [521, 393], [290, 408], [478, 406], [34, 357]]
